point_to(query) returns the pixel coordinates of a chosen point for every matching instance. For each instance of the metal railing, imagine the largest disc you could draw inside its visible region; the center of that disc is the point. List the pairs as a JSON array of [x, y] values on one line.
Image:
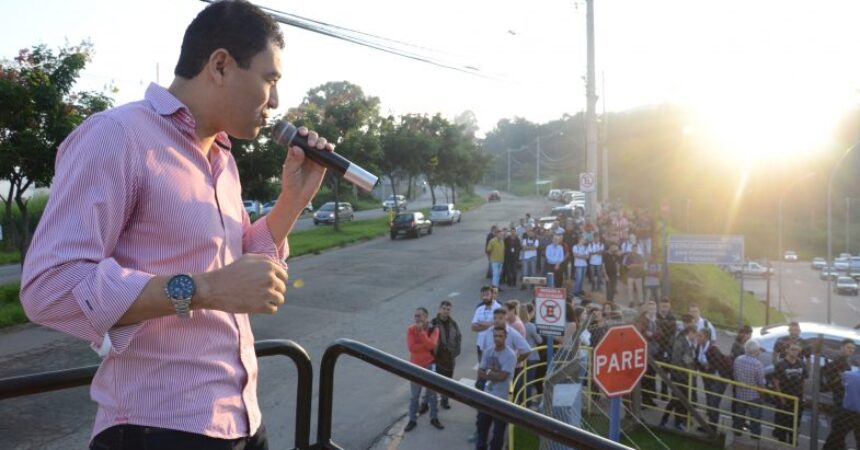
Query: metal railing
[[82, 376], [518, 394], [506, 411]]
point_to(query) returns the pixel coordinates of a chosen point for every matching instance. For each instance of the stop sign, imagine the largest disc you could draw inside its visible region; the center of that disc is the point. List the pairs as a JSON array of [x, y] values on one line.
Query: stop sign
[[620, 360]]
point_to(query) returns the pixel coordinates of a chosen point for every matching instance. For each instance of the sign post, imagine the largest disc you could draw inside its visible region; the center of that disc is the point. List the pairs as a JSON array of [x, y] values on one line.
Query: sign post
[[620, 361], [550, 315]]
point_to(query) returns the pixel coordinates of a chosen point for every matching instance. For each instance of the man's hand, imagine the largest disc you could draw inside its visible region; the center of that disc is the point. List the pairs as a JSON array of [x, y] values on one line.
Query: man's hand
[[300, 181], [252, 284]]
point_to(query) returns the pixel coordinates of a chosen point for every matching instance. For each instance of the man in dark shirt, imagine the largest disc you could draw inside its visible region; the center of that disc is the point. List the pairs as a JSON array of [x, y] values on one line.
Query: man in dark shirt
[[667, 327], [449, 347], [831, 380], [782, 344], [789, 375], [512, 257], [847, 417], [611, 264]]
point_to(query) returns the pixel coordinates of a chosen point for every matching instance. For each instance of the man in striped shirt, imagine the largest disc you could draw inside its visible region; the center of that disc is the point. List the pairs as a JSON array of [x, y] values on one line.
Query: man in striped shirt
[[145, 248], [748, 370]]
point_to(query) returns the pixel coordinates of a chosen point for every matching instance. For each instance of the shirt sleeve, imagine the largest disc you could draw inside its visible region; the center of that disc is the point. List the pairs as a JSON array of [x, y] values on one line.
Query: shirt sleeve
[[70, 281], [521, 344], [477, 316], [257, 239], [508, 363]]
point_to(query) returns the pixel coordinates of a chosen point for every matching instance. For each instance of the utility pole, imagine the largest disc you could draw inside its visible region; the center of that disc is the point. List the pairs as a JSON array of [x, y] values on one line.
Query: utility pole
[[590, 114], [847, 224], [537, 167], [509, 170], [604, 182]]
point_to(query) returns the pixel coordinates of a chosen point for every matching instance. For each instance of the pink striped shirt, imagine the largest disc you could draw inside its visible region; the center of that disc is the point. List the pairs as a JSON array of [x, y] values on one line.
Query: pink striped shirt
[[134, 196]]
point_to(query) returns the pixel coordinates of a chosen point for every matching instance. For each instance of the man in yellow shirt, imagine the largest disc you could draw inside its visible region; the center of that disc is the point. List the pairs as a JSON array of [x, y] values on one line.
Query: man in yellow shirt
[[496, 254]]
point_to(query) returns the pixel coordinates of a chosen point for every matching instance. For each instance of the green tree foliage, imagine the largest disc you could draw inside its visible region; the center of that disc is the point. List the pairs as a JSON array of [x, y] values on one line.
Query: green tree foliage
[[259, 162], [38, 109], [341, 111]]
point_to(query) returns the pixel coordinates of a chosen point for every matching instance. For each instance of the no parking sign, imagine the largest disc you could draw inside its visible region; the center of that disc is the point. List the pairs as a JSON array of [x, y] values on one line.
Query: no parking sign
[[550, 311]]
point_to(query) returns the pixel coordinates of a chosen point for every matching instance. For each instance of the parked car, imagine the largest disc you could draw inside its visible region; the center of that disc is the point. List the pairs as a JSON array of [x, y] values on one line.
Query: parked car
[[394, 202], [569, 196], [410, 224], [326, 213], [494, 197], [845, 255], [253, 207], [832, 335], [854, 267], [566, 211], [751, 269], [546, 222], [790, 255], [267, 207], [841, 264], [818, 263], [554, 195], [828, 272], [846, 285], [445, 213]]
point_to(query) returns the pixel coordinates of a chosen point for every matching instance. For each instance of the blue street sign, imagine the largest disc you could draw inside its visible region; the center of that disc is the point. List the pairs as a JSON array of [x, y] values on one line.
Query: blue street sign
[[706, 249]]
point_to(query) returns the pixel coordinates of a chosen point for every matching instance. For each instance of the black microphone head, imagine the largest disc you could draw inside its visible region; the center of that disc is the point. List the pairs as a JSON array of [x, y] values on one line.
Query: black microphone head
[[283, 133]]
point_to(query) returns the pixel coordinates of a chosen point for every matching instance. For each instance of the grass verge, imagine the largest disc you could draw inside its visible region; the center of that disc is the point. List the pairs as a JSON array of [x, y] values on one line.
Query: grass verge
[[716, 293], [11, 312], [10, 257], [525, 440]]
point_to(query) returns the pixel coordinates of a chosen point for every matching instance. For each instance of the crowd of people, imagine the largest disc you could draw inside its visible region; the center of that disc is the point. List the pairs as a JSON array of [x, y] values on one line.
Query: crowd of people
[[615, 248]]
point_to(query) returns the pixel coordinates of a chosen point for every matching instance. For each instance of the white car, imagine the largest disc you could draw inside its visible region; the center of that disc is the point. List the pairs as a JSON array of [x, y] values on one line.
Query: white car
[[394, 201], [445, 213], [267, 208], [790, 255], [751, 269], [554, 194], [252, 207], [841, 264], [819, 263], [846, 285]]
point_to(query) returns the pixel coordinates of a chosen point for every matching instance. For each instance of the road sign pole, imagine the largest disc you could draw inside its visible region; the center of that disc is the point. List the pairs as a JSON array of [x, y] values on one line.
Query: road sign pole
[[615, 418]]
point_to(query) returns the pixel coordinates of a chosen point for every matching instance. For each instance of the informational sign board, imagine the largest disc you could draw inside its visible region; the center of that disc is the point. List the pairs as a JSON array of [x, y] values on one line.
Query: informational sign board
[[706, 249], [586, 182], [620, 360], [550, 311]]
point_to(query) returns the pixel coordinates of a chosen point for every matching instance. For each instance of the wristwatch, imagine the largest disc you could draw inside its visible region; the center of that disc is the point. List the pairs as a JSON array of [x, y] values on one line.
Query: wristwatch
[[180, 289]]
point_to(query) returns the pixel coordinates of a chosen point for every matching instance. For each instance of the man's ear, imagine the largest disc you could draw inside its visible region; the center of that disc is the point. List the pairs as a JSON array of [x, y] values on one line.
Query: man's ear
[[219, 63]]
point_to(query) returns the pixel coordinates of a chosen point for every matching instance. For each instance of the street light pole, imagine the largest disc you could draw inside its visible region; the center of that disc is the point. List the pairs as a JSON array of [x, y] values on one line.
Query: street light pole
[[779, 232], [830, 223], [847, 224]]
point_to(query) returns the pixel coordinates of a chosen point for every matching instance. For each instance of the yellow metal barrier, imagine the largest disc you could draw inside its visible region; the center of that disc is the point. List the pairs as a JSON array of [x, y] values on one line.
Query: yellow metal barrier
[[518, 394]]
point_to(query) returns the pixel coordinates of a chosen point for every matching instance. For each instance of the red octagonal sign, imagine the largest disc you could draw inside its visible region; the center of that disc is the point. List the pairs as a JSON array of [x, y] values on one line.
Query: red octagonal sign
[[620, 360]]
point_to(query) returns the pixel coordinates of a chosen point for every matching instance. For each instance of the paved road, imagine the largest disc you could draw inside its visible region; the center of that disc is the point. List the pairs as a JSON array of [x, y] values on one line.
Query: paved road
[[422, 201], [366, 292], [805, 295], [10, 273]]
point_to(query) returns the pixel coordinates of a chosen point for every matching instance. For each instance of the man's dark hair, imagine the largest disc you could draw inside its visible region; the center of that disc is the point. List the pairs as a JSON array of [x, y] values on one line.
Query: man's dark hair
[[486, 288], [424, 310], [234, 25], [847, 341], [445, 303], [794, 324], [745, 329], [501, 311], [501, 328]]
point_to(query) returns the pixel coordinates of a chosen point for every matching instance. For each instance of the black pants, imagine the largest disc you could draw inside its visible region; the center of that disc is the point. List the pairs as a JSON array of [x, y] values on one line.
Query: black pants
[[136, 437], [675, 405], [509, 273], [783, 419], [844, 422], [611, 286], [445, 373]]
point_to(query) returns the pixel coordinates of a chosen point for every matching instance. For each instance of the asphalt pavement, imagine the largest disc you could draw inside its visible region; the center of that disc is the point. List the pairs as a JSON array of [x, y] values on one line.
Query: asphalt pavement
[[365, 292]]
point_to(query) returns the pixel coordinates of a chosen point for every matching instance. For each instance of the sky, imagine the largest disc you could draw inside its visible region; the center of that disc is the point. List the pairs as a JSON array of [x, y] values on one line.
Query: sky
[[774, 76]]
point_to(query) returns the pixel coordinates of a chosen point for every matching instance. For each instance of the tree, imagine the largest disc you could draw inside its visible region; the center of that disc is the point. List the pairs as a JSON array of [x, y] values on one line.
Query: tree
[[340, 111], [259, 162], [37, 111]]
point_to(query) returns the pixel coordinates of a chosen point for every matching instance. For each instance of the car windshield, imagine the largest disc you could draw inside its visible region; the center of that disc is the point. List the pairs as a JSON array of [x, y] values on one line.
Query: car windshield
[[327, 207], [439, 208], [403, 218]]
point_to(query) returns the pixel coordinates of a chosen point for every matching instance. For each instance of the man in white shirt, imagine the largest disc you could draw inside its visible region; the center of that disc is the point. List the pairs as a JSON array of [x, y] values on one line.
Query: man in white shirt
[[595, 263], [580, 265], [482, 320], [555, 258], [701, 323], [529, 254], [514, 340]]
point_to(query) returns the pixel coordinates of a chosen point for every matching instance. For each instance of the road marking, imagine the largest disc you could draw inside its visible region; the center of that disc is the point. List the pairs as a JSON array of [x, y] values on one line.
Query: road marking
[[453, 294], [476, 367], [798, 282], [854, 308], [814, 300]]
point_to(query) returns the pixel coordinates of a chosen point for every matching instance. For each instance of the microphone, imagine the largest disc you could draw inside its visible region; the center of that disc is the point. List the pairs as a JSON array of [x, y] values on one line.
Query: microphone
[[286, 134]]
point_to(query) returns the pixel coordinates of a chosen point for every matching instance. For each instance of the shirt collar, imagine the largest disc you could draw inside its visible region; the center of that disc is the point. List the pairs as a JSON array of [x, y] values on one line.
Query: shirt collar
[[166, 104]]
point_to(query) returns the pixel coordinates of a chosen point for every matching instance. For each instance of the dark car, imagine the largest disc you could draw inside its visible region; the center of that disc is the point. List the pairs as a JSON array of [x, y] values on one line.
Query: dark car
[[494, 197], [410, 224]]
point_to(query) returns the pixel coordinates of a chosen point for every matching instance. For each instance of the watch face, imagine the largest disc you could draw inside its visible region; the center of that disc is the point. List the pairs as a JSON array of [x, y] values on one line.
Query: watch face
[[180, 287]]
